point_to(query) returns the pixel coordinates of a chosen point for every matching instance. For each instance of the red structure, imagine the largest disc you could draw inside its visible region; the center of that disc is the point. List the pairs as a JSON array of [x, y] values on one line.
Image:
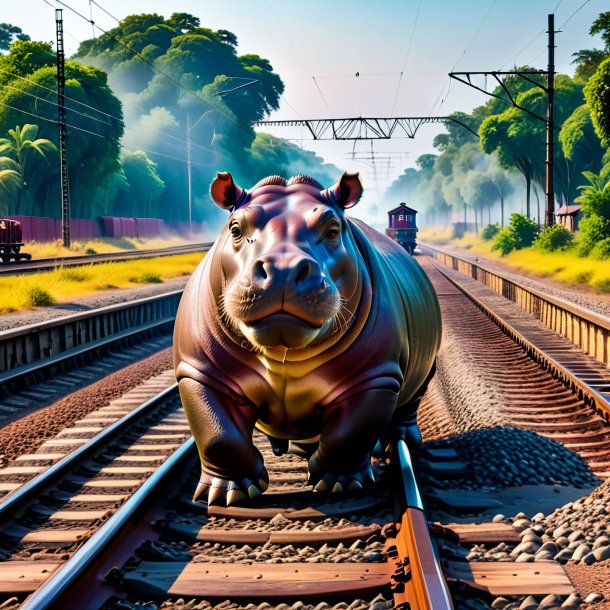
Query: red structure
[[402, 226]]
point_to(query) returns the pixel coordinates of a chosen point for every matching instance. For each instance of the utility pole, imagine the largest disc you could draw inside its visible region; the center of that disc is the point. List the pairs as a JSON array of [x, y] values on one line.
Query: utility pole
[[61, 110], [550, 126], [549, 120]]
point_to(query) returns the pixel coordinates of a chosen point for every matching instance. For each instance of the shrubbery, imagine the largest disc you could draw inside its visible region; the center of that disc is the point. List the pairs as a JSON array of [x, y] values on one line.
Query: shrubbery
[[553, 238], [520, 233], [601, 250], [591, 230], [489, 232]]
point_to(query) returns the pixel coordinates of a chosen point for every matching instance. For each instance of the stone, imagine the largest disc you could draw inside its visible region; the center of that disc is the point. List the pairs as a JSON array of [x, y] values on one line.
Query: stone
[[521, 524], [524, 558], [525, 547], [601, 553], [564, 555], [499, 518], [572, 601], [500, 602], [549, 546], [601, 541], [529, 603], [551, 600], [576, 535], [593, 598], [580, 551]]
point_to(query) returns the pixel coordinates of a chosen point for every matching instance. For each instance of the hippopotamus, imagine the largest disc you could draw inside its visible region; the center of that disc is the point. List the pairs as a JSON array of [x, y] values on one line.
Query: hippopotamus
[[308, 325]]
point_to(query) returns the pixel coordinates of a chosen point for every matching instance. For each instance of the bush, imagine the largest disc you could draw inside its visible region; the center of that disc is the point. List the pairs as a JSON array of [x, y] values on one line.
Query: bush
[[39, 297], [489, 232], [601, 250], [554, 238], [520, 233], [591, 230]]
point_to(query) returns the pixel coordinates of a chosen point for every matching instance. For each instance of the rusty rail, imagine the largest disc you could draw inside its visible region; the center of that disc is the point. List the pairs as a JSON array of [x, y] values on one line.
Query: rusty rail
[[586, 329], [418, 567]]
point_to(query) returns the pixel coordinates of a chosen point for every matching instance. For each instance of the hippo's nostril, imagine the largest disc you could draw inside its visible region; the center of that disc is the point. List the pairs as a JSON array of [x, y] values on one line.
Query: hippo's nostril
[[259, 272], [303, 273]]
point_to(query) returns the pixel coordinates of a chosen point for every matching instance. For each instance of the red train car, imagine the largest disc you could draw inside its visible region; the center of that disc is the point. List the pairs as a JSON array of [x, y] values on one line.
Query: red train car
[[402, 227], [11, 241]]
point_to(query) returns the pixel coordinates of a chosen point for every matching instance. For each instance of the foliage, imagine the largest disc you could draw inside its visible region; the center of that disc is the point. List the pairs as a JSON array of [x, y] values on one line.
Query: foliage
[[140, 197], [23, 152], [601, 250], [488, 232], [94, 137], [553, 238], [595, 196], [8, 33], [597, 94], [520, 233], [591, 230]]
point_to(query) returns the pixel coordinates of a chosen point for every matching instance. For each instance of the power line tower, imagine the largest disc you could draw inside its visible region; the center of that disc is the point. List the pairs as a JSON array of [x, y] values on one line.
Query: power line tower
[[61, 111], [549, 120]]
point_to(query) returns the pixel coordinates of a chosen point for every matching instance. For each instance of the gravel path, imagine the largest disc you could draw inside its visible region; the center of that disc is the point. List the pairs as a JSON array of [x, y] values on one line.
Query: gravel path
[[579, 295]]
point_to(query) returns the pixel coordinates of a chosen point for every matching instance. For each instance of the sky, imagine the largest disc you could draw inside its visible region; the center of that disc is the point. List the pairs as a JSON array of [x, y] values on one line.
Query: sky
[[344, 58]]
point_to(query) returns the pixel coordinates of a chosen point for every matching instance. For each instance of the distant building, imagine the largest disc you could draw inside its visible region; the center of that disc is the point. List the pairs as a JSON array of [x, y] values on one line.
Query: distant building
[[569, 216]]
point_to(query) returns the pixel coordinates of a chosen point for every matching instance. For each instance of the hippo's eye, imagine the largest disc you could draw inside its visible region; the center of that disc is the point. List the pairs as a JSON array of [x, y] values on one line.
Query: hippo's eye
[[235, 231], [332, 234]]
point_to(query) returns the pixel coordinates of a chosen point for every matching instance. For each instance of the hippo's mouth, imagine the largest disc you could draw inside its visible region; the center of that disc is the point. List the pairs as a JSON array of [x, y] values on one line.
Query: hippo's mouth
[[281, 328]]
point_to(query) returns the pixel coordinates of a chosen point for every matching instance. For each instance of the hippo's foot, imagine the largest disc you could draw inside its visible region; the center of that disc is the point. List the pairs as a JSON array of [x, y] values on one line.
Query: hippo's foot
[[325, 480], [226, 492]]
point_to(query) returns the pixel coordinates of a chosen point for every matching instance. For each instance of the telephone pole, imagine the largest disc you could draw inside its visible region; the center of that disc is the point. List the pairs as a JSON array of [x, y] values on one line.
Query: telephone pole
[[61, 110], [550, 126]]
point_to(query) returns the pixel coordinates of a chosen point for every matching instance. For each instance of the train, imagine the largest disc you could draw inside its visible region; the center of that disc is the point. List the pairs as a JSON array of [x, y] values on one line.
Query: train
[[11, 241], [402, 227]]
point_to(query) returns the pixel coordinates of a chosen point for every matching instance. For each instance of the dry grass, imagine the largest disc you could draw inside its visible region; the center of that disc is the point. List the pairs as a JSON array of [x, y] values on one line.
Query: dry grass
[[98, 246], [22, 292]]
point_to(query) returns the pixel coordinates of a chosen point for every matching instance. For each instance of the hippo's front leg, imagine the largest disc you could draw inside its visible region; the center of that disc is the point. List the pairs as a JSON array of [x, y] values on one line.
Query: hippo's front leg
[[350, 429], [232, 469]]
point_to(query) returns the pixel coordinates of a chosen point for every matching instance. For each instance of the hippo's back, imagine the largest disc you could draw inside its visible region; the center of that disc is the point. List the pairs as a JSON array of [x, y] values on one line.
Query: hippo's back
[[413, 287]]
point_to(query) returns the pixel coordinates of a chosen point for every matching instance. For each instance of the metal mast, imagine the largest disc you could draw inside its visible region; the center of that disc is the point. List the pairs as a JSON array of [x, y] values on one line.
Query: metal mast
[[61, 110], [550, 126]]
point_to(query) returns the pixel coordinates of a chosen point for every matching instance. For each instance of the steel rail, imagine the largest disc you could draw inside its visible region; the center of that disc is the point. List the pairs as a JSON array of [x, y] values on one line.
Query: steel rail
[[48, 264], [586, 329], [74, 335], [592, 396], [418, 565], [51, 592], [34, 488]]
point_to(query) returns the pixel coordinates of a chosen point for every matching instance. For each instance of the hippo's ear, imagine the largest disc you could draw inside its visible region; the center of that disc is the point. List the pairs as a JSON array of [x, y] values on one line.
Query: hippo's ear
[[224, 191], [347, 191]]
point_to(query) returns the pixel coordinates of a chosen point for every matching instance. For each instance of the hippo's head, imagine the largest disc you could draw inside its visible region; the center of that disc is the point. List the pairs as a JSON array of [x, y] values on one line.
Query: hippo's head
[[289, 263]]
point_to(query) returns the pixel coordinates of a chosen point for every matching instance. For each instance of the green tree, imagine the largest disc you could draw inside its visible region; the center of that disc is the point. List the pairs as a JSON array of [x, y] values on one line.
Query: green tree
[[141, 197], [588, 60], [9, 33], [93, 133], [597, 94], [26, 151]]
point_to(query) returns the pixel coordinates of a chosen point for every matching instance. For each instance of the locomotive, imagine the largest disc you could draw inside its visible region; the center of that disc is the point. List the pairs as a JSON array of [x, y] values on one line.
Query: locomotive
[[402, 227], [11, 241]]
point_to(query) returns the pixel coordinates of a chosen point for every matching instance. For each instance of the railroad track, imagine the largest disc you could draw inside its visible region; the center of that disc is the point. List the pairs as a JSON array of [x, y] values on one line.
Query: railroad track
[[78, 348], [47, 264], [293, 545]]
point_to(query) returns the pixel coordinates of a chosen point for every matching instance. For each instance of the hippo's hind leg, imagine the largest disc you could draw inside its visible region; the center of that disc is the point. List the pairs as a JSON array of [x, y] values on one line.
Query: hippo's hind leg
[[232, 469], [404, 422], [350, 430]]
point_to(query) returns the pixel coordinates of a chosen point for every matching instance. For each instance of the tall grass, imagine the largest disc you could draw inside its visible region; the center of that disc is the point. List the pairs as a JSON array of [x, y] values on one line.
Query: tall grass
[[22, 292]]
